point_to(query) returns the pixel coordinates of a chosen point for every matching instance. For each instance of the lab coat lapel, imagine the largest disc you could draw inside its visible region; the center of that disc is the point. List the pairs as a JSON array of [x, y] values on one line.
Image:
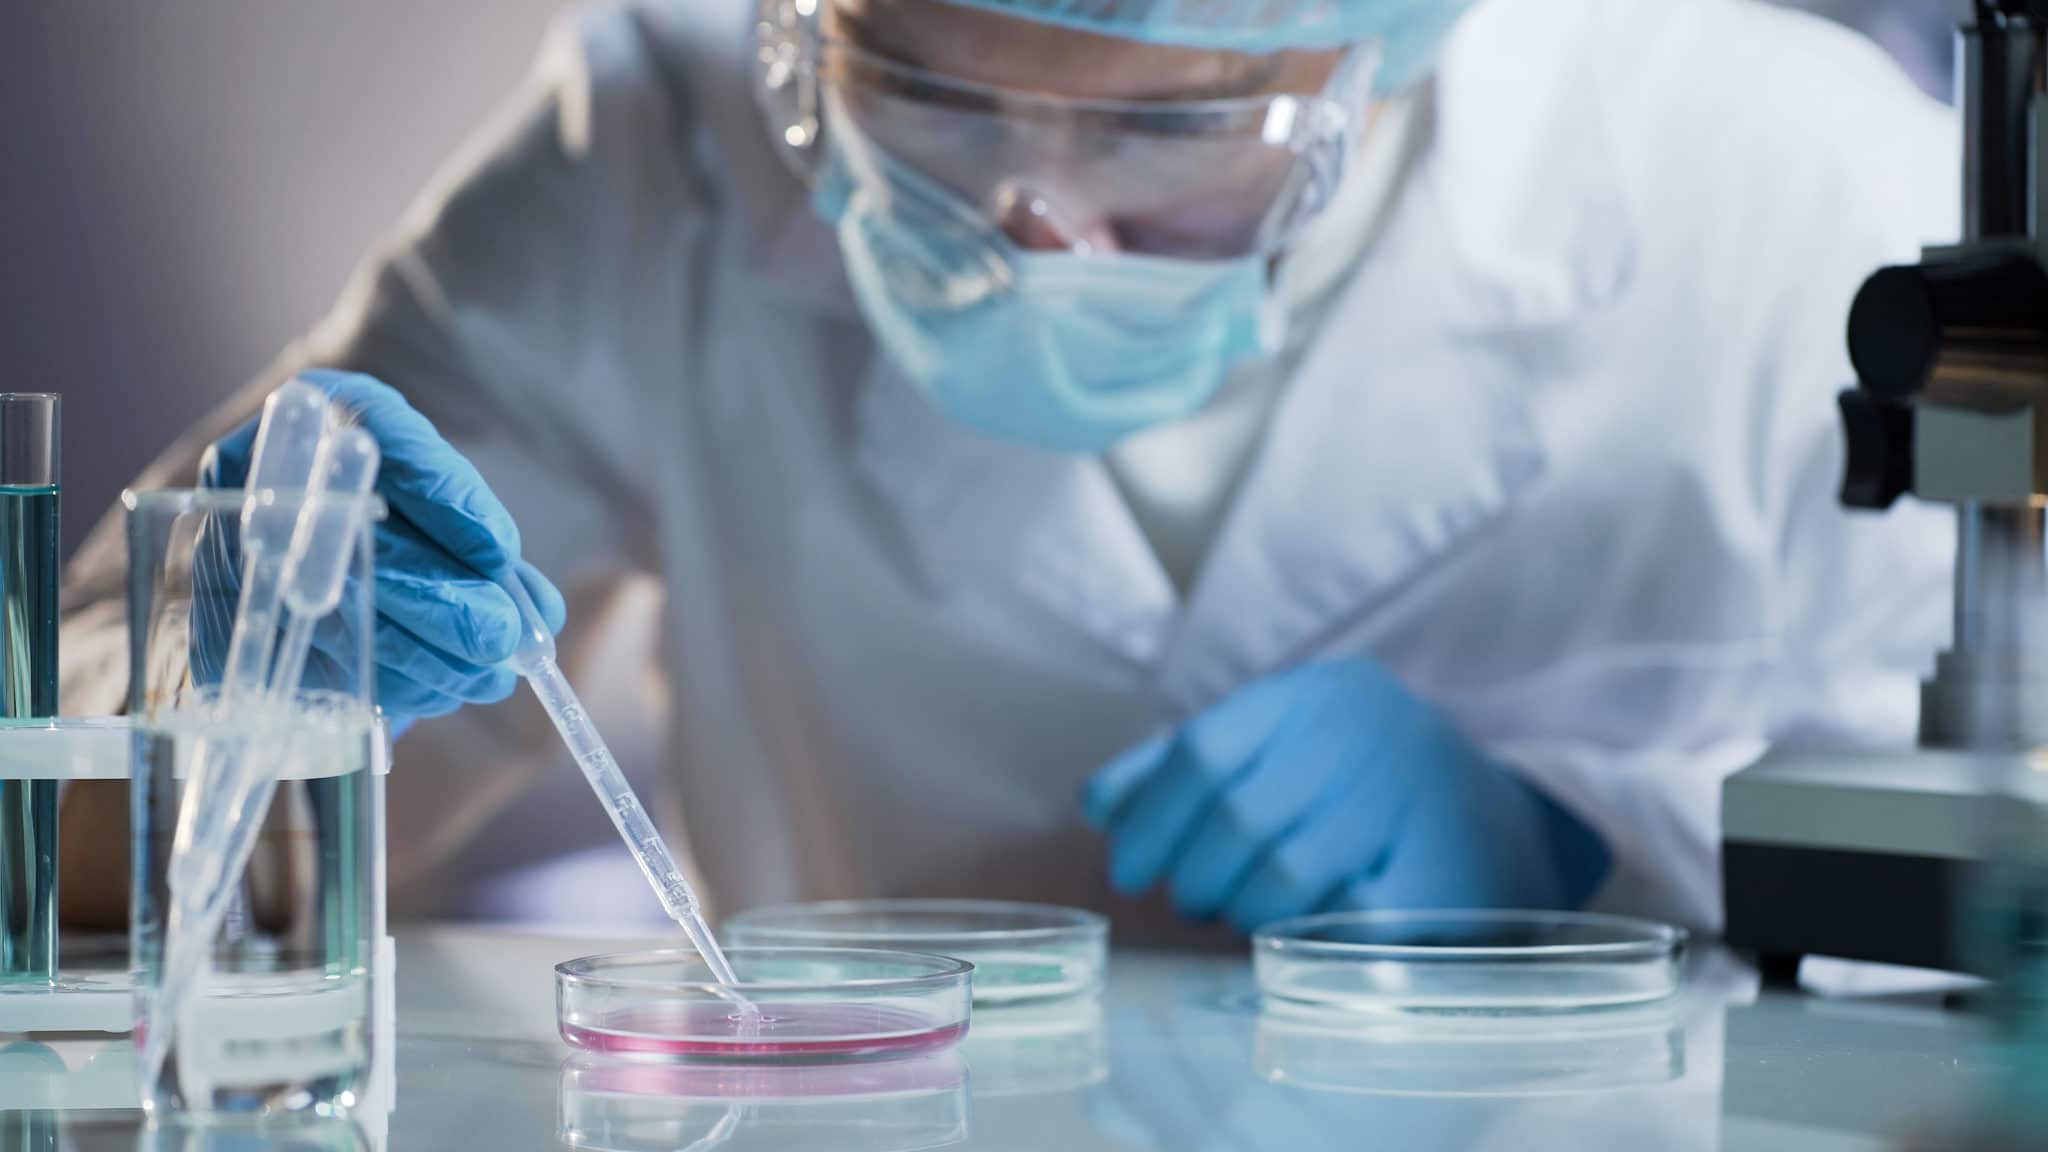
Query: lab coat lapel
[[1395, 441], [1041, 530], [1410, 422]]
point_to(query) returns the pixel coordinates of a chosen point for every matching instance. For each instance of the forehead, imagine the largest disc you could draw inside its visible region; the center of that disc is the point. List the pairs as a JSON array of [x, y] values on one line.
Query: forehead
[[1028, 55]]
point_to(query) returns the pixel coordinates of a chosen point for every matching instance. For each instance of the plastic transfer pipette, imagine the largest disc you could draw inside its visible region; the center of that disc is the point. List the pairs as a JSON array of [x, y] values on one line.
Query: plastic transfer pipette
[[535, 661], [287, 441], [326, 527], [315, 572], [282, 460]]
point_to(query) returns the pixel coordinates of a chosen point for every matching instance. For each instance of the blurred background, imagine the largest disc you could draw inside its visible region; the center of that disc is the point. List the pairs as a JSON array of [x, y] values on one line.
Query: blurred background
[[188, 183]]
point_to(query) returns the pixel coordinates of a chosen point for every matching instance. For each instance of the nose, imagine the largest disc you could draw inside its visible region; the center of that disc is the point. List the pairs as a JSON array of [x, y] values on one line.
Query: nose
[[1034, 223]]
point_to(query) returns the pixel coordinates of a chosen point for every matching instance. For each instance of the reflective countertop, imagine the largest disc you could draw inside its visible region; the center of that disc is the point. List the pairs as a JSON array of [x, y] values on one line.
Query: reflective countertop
[[1176, 1055]]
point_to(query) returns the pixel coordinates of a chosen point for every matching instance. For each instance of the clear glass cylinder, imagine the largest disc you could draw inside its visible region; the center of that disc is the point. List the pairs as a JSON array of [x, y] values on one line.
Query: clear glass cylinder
[[92, 991], [283, 1023], [28, 682]]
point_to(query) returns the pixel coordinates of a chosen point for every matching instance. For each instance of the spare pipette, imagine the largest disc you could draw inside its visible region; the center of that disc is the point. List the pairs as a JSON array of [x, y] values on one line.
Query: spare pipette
[[535, 661], [287, 440], [315, 572], [323, 543], [282, 459], [326, 527]]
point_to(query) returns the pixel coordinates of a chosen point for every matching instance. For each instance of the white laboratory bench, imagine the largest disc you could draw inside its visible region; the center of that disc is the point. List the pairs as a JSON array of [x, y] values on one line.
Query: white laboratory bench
[[1177, 1057]]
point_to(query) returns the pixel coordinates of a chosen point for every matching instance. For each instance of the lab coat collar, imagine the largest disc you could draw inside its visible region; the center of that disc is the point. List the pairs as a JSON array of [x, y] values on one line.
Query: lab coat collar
[[1526, 168], [1408, 424], [1400, 436]]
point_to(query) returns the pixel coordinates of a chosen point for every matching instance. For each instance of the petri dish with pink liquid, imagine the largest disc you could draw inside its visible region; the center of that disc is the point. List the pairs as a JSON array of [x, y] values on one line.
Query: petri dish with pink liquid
[[808, 1006]]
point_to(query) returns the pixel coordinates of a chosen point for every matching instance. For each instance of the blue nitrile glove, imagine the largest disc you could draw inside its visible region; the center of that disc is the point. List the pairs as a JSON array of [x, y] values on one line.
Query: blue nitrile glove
[[1333, 787], [444, 627]]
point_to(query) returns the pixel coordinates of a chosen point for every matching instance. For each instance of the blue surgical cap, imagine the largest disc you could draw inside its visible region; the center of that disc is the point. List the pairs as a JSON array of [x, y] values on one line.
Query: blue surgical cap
[[1409, 31]]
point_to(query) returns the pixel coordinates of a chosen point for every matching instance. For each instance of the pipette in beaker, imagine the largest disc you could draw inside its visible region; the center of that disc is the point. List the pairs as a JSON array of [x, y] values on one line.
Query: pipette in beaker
[[315, 571], [535, 661], [326, 528], [281, 461], [280, 464]]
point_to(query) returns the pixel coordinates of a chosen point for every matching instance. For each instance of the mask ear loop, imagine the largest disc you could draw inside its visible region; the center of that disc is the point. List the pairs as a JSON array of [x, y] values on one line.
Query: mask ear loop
[[936, 249]]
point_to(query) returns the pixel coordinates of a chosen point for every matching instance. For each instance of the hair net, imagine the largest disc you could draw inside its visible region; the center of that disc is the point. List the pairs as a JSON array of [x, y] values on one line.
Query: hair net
[[1409, 30]]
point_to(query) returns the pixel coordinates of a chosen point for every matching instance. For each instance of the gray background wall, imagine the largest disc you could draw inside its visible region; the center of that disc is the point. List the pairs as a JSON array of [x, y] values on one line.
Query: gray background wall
[[185, 184]]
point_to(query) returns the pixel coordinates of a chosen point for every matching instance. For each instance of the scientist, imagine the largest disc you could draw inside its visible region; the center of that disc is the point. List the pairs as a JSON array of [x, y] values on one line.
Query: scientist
[[1330, 453]]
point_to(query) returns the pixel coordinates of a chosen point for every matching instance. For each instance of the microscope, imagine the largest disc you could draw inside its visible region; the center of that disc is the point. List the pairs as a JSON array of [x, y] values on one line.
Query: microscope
[[1871, 855]]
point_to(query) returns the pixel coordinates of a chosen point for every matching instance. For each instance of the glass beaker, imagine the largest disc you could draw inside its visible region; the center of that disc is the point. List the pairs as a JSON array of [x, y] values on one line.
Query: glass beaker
[[283, 1022]]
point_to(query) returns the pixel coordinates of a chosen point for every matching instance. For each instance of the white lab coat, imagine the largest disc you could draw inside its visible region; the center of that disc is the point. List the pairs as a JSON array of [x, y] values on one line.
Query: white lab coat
[[1562, 456]]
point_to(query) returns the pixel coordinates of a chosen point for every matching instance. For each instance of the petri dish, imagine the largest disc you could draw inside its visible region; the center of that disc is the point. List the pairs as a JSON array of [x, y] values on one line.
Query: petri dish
[[1020, 952], [1518, 1055], [897, 1106], [816, 1005], [1468, 961]]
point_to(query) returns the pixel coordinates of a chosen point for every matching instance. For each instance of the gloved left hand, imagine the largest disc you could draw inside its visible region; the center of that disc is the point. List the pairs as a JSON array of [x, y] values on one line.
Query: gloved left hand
[[1331, 786], [444, 626]]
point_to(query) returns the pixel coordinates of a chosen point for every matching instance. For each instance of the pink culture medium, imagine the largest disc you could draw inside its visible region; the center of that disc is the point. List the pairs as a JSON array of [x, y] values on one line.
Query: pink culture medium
[[792, 1033]]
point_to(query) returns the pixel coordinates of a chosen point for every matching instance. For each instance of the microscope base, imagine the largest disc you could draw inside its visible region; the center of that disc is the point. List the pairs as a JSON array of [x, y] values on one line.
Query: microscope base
[[1857, 855]]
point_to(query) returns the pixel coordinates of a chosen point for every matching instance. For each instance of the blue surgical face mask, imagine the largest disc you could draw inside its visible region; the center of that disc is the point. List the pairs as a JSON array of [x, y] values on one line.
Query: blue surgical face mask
[[1059, 350]]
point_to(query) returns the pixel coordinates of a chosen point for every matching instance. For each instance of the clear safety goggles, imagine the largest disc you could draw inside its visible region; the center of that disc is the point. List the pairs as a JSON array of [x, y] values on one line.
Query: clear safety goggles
[[1207, 179]]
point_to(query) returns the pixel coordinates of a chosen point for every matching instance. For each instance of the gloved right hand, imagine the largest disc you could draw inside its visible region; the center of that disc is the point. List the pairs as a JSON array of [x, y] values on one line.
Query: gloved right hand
[[1331, 787], [444, 627]]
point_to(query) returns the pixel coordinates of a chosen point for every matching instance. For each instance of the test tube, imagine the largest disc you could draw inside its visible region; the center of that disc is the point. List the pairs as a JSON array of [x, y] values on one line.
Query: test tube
[[28, 680]]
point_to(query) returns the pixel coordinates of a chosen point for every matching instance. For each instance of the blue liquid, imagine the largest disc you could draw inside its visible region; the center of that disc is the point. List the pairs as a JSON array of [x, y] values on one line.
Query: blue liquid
[[28, 688]]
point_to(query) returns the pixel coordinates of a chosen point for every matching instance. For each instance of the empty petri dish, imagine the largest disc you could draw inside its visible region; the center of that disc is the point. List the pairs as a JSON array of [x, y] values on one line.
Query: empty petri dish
[[1468, 961], [1020, 952], [811, 1005], [1514, 1054]]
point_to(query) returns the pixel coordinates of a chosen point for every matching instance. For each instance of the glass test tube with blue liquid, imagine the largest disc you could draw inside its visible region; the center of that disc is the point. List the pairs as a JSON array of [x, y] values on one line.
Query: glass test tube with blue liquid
[[28, 680]]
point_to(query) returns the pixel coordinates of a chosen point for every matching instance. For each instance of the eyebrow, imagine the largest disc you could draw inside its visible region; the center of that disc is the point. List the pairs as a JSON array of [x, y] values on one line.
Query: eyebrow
[[1243, 82], [1251, 82]]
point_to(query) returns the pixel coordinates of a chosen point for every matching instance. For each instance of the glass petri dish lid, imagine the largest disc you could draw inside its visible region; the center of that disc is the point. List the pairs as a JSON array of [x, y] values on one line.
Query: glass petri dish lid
[[811, 1005], [1496, 1054], [637, 1106], [1468, 961], [1020, 952]]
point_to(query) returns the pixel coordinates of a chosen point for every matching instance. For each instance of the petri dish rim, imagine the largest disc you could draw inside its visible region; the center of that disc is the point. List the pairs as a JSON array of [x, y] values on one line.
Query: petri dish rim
[[1072, 922], [592, 971], [1651, 940]]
